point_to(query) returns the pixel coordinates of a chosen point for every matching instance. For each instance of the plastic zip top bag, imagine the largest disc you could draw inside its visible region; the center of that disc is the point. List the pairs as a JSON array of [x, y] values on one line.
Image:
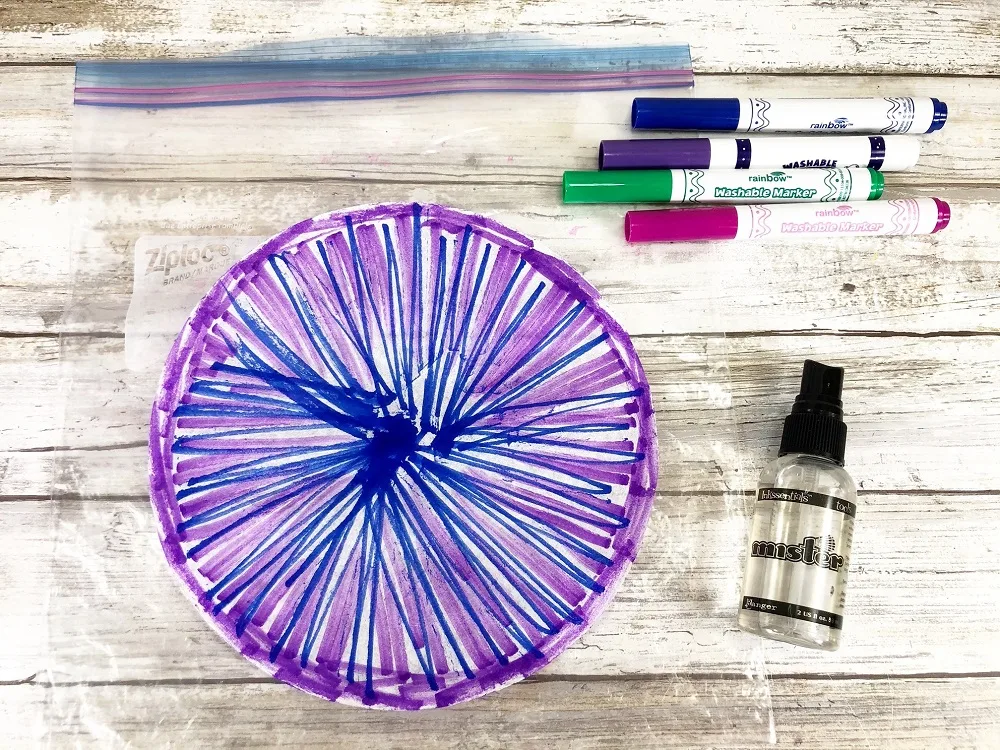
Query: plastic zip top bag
[[175, 184], [380, 69]]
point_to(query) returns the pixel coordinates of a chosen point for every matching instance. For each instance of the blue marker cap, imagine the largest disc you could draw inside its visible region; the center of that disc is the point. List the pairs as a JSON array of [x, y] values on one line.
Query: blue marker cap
[[937, 122], [685, 114]]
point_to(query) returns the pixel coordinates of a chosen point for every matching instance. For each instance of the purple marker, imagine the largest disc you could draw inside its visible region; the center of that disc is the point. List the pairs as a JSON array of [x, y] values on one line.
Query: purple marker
[[890, 153], [870, 218]]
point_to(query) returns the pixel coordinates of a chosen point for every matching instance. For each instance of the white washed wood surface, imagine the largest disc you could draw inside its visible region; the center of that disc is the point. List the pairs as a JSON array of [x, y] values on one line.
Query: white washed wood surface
[[926, 36], [101, 649], [915, 714], [37, 133], [673, 615], [934, 283]]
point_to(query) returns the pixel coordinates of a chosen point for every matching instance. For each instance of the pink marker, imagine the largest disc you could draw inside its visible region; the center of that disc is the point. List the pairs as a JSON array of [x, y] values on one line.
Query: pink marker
[[869, 218]]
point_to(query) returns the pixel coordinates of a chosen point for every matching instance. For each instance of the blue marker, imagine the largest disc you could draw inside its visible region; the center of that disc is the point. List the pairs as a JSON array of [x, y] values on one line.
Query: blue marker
[[901, 114]]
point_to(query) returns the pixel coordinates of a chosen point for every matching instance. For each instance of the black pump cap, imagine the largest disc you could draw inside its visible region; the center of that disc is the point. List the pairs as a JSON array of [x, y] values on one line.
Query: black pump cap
[[816, 424]]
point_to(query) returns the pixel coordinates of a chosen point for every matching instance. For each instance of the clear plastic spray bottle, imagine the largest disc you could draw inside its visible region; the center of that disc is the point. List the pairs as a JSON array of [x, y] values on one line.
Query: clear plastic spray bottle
[[803, 523]]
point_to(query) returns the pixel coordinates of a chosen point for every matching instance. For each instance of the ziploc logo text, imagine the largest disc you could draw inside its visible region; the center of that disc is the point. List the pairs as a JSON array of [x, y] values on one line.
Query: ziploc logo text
[[182, 258]]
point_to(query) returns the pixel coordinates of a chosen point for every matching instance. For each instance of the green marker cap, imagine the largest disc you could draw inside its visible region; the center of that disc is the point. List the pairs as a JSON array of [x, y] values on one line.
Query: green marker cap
[[878, 184], [617, 186]]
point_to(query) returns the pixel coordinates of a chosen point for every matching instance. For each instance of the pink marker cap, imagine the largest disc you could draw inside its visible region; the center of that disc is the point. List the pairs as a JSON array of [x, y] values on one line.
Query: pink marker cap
[[944, 216], [682, 224]]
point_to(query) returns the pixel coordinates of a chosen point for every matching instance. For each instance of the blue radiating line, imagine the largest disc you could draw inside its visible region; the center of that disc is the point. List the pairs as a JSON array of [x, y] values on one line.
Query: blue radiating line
[[526, 577], [302, 541], [184, 444], [219, 479], [366, 570], [492, 502], [352, 335], [466, 367], [582, 401], [322, 611], [449, 321], [539, 377], [358, 403], [514, 525], [303, 528], [539, 346], [525, 434], [312, 328], [539, 480], [506, 336], [416, 291], [377, 569], [395, 296], [417, 649], [364, 287], [463, 334], [409, 554], [319, 611], [437, 316], [263, 547], [426, 539]]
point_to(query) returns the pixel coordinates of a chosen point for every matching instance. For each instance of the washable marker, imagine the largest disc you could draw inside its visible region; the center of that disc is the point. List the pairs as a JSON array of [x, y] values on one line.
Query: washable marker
[[895, 114], [889, 153], [721, 185], [902, 216]]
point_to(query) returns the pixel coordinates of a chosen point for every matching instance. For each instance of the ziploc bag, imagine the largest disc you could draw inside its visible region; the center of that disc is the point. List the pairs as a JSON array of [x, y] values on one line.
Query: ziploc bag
[[181, 168]]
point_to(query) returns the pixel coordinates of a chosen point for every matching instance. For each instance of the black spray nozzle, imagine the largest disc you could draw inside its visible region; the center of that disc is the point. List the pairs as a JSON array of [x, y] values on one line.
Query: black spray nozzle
[[816, 424], [821, 390]]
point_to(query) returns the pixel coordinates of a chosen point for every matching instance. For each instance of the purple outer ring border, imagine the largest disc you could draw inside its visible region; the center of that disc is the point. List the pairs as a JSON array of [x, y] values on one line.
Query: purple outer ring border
[[638, 503]]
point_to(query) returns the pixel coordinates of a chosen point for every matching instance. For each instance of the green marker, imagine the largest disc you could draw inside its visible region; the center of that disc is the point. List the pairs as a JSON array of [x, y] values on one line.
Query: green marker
[[722, 186]]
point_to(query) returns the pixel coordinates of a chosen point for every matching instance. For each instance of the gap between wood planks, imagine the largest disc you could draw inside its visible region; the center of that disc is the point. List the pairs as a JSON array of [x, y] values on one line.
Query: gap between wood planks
[[670, 677], [936, 185], [804, 332], [784, 73], [75, 497]]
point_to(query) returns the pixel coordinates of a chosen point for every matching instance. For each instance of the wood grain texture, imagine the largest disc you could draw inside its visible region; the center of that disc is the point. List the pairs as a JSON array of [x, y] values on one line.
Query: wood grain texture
[[909, 401], [909, 714], [100, 647], [36, 125], [775, 35], [923, 284], [114, 611], [480, 139], [38, 136]]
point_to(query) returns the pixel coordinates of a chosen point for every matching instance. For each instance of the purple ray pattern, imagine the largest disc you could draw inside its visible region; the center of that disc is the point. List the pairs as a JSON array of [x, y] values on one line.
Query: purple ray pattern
[[400, 457]]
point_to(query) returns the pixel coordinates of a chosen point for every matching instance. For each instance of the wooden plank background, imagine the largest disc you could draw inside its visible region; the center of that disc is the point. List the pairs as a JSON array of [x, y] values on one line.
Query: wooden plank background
[[101, 649]]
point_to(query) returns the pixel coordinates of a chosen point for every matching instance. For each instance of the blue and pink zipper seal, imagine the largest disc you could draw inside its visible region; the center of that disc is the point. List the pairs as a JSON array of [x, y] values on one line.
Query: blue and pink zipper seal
[[347, 70]]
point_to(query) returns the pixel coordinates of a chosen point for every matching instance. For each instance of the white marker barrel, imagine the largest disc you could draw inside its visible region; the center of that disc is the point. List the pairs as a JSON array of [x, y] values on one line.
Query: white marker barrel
[[886, 153], [904, 216], [891, 153]]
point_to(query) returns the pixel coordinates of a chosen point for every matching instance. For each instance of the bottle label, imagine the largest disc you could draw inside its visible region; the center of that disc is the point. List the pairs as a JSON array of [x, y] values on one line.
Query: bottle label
[[798, 555], [808, 498], [772, 607]]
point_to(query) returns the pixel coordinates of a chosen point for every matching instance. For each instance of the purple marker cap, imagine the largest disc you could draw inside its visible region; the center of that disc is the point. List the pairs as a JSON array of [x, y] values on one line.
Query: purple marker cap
[[944, 215], [656, 153], [682, 224]]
